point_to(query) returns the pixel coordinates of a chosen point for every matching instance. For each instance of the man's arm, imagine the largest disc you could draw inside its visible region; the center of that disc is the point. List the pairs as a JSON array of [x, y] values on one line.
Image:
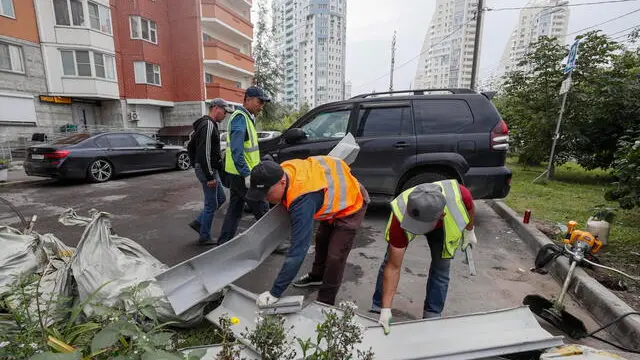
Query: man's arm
[[395, 251], [210, 170], [467, 199], [238, 133], [301, 212]]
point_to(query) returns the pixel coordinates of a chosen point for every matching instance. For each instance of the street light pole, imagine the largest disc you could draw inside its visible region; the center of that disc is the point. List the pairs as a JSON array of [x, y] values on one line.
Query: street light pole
[[476, 45]]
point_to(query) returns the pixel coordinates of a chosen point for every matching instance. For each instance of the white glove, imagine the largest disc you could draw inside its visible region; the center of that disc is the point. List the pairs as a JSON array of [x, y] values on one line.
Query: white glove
[[247, 181], [469, 237], [265, 299], [385, 320]]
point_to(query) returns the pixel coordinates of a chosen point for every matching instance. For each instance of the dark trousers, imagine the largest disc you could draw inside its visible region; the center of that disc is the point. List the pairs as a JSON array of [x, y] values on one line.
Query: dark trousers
[[236, 208], [334, 241]]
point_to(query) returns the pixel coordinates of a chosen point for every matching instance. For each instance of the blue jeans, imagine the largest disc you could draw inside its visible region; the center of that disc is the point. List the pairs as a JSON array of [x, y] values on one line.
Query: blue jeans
[[235, 210], [437, 283], [213, 199]]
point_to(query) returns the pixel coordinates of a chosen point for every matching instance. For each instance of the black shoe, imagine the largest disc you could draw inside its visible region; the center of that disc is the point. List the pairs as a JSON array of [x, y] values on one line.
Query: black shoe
[[195, 225], [307, 280], [205, 241]]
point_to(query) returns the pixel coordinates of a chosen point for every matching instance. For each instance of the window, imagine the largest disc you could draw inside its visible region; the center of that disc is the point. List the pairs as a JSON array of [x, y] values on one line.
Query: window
[[102, 142], [78, 63], [11, 58], [327, 125], [147, 73], [143, 29], [379, 122], [441, 116], [68, 12], [144, 140], [100, 18], [121, 140], [6, 8], [208, 78]]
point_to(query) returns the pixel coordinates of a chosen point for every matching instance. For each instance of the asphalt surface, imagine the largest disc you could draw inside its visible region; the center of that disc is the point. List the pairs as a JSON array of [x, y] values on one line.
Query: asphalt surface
[[154, 210]]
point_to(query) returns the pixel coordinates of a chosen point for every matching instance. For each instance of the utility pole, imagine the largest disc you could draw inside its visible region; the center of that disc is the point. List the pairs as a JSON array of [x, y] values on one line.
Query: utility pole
[[476, 45], [393, 60]]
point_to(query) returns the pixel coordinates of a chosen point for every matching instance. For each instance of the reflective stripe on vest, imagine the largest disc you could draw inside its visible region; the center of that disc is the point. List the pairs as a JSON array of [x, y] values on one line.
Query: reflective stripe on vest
[[342, 196], [251, 149], [455, 219]]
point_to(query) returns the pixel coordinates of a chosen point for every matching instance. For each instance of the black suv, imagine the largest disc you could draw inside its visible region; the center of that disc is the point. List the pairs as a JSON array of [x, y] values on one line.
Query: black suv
[[407, 138]]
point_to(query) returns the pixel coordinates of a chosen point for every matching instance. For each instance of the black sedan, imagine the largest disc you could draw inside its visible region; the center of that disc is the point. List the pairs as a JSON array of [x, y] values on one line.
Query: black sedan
[[99, 157]]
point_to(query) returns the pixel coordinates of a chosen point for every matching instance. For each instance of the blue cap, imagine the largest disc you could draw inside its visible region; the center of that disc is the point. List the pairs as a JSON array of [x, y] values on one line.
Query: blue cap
[[254, 91]]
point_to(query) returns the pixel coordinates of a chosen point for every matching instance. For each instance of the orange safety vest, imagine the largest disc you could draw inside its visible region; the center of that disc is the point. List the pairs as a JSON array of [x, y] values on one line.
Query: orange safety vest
[[342, 195]]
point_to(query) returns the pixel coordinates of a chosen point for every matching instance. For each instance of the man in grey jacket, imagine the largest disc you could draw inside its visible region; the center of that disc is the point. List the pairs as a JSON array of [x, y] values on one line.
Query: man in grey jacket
[[204, 152]]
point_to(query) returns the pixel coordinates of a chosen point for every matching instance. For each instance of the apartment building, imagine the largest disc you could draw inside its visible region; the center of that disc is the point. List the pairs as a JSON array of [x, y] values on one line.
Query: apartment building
[[446, 58], [539, 18], [310, 39], [140, 64]]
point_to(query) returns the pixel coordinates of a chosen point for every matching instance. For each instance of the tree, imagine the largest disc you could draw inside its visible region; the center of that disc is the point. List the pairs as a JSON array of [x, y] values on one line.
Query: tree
[[268, 67], [601, 105]]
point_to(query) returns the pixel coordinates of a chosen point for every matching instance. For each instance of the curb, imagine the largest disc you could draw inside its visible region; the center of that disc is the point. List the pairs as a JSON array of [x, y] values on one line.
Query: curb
[[24, 182], [603, 305]]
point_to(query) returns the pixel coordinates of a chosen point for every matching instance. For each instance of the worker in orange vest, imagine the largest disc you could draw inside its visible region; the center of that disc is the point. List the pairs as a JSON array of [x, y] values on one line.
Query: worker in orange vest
[[320, 188]]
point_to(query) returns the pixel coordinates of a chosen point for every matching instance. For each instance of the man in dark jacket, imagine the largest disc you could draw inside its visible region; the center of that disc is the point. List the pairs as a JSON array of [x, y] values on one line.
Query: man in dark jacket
[[204, 151]]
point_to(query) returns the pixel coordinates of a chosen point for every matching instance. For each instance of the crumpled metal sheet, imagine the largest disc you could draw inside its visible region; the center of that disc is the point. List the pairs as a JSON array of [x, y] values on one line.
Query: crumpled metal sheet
[[474, 336], [200, 277], [197, 279]]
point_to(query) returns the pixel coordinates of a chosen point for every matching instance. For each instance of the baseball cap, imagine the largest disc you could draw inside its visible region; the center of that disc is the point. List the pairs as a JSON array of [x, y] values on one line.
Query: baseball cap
[[263, 177], [255, 91], [424, 209], [221, 103]]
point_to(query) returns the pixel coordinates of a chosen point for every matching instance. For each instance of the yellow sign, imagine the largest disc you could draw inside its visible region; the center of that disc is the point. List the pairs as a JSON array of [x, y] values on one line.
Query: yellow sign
[[55, 99]]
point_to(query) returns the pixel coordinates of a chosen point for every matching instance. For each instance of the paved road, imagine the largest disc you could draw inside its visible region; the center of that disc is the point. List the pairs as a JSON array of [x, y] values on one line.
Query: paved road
[[154, 210]]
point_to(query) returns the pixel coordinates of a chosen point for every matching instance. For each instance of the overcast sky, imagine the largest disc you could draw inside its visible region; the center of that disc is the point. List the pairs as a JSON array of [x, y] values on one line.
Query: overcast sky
[[370, 26]]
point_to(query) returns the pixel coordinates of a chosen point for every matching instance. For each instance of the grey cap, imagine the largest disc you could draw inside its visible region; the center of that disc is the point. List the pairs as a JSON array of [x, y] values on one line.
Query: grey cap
[[221, 103], [425, 206]]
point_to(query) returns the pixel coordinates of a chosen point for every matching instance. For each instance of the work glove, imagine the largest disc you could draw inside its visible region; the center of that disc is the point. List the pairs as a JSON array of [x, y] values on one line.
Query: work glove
[[469, 238], [247, 181], [266, 299], [385, 320]]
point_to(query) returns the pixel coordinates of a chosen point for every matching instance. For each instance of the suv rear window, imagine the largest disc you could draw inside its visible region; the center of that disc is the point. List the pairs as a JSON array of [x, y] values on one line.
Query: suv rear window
[[388, 121], [441, 116]]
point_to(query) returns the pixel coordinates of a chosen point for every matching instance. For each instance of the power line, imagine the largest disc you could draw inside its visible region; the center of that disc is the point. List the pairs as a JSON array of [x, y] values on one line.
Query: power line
[[551, 7], [420, 54], [605, 22]]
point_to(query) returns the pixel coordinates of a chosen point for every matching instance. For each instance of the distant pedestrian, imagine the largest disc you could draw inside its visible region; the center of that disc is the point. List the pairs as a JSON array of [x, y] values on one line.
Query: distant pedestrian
[[204, 152], [241, 156]]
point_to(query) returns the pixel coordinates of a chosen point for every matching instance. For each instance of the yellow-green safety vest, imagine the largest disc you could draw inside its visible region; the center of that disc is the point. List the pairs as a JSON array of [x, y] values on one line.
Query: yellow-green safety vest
[[455, 218], [251, 149]]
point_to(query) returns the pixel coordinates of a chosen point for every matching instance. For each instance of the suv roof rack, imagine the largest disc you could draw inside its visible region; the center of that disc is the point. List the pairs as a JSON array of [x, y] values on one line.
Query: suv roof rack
[[417, 92]]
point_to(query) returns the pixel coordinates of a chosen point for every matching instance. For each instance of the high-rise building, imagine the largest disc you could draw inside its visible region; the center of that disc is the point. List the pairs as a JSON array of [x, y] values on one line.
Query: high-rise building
[[539, 18], [347, 90], [109, 64], [310, 39], [446, 58]]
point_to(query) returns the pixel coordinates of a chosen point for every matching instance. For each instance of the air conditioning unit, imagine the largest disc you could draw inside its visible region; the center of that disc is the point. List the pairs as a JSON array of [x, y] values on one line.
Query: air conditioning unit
[[133, 116]]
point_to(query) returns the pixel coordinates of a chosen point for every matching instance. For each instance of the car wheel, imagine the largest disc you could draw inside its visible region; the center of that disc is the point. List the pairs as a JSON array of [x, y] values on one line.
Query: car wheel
[[426, 177], [183, 161], [100, 170]]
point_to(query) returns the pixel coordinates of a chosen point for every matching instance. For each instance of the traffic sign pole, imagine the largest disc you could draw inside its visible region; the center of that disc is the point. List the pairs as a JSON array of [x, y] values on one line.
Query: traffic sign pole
[[556, 135]]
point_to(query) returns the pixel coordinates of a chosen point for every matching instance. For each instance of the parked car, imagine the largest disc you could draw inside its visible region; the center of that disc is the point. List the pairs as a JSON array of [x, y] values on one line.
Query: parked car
[[100, 157], [407, 138]]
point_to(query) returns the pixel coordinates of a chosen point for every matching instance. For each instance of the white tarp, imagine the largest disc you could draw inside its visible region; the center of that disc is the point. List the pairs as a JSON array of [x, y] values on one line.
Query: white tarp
[[112, 264], [17, 256]]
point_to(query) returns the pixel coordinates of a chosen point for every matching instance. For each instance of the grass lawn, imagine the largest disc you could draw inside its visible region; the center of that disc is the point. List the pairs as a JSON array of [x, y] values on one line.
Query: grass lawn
[[571, 196]]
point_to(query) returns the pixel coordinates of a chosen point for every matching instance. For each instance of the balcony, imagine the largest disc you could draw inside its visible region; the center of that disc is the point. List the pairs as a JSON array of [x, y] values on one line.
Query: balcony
[[220, 54], [227, 19], [227, 92]]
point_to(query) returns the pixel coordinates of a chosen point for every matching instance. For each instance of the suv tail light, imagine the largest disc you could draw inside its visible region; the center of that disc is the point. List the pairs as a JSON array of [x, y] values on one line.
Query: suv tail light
[[57, 155], [500, 137]]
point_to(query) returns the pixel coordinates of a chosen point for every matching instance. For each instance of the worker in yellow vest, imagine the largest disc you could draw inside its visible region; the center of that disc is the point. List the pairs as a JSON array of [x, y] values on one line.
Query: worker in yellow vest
[[317, 188], [443, 211], [241, 156]]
